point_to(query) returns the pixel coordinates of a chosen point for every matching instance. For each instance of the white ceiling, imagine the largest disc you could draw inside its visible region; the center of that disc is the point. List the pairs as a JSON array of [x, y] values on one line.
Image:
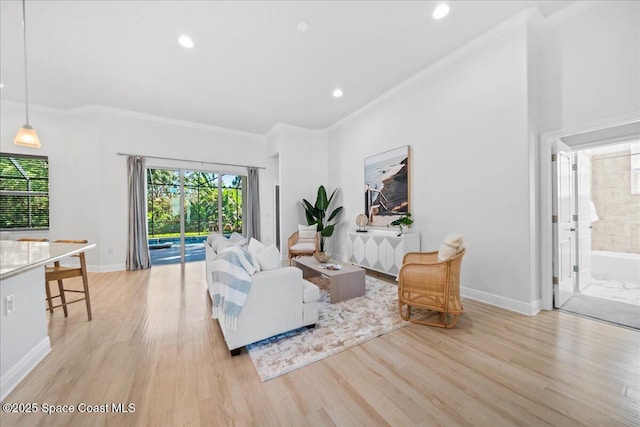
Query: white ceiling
[[250, 67]]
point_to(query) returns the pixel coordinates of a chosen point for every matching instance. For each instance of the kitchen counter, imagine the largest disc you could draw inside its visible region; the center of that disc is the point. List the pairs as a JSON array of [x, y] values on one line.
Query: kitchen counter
[[17, 257], [24, 341]]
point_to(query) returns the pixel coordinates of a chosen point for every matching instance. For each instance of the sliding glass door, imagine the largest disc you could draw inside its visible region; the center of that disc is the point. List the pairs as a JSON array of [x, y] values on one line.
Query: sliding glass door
[[184, 206]]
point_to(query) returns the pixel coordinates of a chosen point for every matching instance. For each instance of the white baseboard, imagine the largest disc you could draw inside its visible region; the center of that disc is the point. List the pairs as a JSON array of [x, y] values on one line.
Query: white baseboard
[[17, 372], [530, 309]]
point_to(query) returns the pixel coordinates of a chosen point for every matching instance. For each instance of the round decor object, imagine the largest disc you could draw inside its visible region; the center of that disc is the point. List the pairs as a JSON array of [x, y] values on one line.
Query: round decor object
[[362, 220], [322, 257]]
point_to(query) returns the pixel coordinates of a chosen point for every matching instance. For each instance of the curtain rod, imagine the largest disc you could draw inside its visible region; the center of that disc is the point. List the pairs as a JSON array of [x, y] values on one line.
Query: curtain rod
[[192, 161]]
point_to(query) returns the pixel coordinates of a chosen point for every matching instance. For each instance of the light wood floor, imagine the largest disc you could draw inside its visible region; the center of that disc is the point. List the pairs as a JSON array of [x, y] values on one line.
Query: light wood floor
[[152, 343]]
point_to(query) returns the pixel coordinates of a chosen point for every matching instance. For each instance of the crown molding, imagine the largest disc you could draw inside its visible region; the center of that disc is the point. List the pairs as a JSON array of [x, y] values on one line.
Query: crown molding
[[513, 23], [99, 109], [569, 12], [531, 17], [283, 125]]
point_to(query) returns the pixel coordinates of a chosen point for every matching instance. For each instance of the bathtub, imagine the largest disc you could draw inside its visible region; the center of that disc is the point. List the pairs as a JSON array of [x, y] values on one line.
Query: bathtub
[[615, 265]]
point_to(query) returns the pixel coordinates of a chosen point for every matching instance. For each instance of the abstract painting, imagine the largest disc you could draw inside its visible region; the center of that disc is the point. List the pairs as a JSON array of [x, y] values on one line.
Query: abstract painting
[[386, 186]]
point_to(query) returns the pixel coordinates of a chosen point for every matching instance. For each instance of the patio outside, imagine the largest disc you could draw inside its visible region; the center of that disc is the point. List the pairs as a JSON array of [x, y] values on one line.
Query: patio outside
[[212, 202]]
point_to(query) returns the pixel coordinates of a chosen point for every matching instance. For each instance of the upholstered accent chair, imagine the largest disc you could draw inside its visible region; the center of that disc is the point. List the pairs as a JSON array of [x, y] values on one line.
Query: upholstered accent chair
[[426, 283], [302, 247]]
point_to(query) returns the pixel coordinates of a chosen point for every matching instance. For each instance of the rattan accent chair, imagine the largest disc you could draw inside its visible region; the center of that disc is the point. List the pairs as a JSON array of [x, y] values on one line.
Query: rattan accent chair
[[295, 252], [425, 283]]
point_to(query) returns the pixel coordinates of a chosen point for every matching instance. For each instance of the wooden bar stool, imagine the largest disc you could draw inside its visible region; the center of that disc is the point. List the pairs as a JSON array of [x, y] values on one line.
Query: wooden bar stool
[[46, 284], [59, 273]]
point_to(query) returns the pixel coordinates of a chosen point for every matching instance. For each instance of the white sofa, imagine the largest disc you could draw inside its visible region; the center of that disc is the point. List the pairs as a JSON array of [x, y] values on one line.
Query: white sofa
[[280, 300]]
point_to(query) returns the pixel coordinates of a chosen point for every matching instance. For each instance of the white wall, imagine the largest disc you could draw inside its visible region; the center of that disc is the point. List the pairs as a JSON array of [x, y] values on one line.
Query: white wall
[[88, 181], [474, 135], [591, 64], [302, 162], [466, 120]]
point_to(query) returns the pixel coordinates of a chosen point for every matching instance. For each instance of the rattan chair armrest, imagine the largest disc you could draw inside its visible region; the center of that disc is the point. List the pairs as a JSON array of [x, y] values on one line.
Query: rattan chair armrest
[[293, 239], [421, 257], [421, 266]]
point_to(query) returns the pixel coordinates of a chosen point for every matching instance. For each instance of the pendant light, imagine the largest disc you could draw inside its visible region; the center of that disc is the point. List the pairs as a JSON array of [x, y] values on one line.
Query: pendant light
[[27, 137]]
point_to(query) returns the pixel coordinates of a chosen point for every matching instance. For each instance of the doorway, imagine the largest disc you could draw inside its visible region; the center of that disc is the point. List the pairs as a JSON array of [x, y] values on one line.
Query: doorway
[[185, 206], [595, 227]]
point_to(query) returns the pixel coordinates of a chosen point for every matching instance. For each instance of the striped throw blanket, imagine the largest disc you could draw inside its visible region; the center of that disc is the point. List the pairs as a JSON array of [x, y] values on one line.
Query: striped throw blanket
[[231, 285]]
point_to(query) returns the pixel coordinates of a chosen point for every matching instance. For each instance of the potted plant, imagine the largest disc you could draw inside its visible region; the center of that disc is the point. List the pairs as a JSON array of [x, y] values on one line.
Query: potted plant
[[317, 214], [405, 219]]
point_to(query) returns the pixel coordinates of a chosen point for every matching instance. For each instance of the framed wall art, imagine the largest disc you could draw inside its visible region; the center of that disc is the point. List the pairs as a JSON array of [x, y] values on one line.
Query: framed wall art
[[386, 186]]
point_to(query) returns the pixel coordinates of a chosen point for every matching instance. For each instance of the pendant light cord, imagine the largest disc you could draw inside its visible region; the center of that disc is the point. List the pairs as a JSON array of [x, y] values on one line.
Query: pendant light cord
[[26, 78]]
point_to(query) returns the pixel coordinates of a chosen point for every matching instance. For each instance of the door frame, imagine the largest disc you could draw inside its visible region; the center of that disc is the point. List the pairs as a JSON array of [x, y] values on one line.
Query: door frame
[[545, 212]]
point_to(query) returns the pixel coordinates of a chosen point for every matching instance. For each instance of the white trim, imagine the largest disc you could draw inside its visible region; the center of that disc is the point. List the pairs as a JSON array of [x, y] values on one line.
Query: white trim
[[517, 21], [569, 12], [546, 140], [529, 309], [99, 109], [283, 125], [22, 367]]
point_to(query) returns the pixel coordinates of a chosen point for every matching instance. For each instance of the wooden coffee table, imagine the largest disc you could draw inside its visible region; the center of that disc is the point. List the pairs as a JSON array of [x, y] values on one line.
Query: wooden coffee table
[[343, 284]]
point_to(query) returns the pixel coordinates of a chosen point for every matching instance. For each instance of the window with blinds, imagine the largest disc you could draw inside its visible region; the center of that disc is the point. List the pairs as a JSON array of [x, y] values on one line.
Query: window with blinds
[[24, 192]]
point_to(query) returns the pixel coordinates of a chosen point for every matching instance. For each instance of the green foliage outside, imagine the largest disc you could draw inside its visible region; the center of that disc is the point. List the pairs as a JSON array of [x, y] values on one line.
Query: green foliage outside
[[18, 210], [201, 203]]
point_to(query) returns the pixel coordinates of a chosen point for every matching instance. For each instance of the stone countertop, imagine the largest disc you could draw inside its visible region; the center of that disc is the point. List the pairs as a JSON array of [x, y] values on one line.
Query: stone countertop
[[17, 257]]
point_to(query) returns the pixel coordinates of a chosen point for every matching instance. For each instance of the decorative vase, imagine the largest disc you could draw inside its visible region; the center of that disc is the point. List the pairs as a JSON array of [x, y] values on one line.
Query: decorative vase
[[322, 257]]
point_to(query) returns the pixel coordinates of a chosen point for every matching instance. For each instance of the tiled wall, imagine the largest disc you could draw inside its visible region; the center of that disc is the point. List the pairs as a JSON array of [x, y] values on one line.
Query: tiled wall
[[618, 229]]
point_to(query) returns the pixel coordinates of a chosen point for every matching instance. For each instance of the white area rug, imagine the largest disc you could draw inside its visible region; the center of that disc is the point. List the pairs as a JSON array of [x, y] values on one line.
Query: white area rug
[[340, 326]]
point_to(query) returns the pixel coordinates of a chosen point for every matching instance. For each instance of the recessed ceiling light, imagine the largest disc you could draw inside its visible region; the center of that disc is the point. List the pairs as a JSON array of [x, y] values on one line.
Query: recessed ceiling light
[[1, 86], [337, 93], [186, 41], [303, 27], [441, 11]]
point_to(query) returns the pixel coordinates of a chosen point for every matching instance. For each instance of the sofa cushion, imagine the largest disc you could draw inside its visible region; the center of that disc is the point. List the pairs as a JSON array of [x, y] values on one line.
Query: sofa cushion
[[303, 247], [310, 292], [451, 245], [269, 258], [307, 233]]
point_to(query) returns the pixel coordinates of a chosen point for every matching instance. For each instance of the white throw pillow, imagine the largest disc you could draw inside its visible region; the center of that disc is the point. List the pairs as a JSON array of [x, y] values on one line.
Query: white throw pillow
[[245, 257], [212, 238], [307, 233], [237, 239], [220, 244], [269, 258], [255, 246], [451, 245]]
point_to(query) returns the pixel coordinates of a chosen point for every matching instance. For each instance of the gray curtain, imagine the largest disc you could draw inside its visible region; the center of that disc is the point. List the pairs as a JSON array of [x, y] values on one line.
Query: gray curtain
[[253, 204], [138, 248]]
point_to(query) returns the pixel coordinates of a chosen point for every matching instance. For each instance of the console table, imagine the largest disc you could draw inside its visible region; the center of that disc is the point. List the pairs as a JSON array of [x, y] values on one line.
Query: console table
[[380, 250]]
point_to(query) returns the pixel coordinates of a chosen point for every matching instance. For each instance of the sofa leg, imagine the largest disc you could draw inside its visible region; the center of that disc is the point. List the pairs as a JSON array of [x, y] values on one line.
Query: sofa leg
[[311, 326], [235, 351]]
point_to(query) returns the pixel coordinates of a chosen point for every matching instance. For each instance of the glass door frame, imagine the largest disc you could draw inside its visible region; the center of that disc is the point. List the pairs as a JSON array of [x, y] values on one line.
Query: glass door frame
[[219, 187]]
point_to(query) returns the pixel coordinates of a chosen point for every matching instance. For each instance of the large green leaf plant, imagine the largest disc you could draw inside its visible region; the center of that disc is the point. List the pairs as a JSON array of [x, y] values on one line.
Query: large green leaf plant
[[317, 214]]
